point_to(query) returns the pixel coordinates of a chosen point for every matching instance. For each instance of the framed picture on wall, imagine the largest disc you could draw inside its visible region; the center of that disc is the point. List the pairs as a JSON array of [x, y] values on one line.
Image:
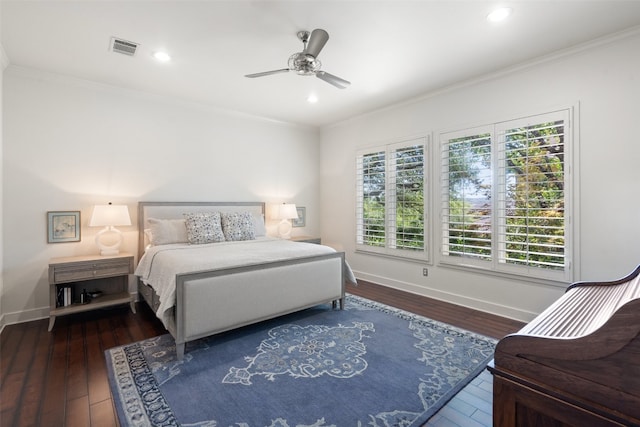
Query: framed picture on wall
[[63, 226], [302, 217]]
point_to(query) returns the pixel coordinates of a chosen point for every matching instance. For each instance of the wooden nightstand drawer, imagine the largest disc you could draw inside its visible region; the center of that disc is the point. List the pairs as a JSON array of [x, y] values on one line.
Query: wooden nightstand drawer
[[88, 271]]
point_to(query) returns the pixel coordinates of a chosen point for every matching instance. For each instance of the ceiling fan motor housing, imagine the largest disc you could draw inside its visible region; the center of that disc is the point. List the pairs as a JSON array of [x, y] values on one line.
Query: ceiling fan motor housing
[[304, 64]]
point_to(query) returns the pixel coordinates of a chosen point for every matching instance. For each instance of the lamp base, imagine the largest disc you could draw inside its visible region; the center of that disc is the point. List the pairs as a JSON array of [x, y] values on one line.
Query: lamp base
[[112, 249], [284, 229], [109, 252]]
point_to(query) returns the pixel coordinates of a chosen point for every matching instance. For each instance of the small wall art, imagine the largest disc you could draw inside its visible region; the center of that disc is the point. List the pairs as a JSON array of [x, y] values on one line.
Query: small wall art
[[63, 226], [302, 217]]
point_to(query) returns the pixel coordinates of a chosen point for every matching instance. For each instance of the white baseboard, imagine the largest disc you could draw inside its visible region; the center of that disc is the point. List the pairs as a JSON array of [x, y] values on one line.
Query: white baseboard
[[24, 316], [474, 303]]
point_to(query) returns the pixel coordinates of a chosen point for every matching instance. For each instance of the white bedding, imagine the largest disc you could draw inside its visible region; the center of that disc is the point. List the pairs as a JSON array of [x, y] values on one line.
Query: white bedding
[[160, 264]]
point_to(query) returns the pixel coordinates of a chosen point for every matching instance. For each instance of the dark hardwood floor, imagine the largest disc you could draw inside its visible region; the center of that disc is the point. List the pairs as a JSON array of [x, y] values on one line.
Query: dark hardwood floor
[[466, 318], [59, 378]]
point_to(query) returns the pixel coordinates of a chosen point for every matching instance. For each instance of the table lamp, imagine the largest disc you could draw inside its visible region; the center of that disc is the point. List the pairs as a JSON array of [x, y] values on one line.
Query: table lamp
[[286, 212], [108, 216]]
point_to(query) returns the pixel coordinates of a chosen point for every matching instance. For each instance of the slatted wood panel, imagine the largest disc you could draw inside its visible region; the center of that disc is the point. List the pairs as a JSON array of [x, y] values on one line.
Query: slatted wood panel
[[59, 378], [582, 310]]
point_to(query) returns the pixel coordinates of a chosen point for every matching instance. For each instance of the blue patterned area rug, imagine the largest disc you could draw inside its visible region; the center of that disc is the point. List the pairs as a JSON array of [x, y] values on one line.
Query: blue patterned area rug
[[368, 365]]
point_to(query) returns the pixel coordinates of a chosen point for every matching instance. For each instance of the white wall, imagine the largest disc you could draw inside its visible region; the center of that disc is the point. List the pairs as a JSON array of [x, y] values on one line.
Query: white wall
[[4, 62], [604, 78], [70, 144]]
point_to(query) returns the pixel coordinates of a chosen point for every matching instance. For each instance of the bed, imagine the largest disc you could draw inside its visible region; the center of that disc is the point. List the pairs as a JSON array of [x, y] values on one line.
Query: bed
[[203, 283]]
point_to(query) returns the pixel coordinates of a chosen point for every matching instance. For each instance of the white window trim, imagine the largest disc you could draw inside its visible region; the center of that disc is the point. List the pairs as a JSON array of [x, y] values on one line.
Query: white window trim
[[493, 267]]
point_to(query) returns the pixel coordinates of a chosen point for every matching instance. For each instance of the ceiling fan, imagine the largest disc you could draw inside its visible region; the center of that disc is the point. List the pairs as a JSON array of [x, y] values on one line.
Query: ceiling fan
[[306, 63]]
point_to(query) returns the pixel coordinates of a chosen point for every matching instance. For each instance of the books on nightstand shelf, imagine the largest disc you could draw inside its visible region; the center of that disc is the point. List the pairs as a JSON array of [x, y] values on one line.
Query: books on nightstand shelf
[[67, 296]]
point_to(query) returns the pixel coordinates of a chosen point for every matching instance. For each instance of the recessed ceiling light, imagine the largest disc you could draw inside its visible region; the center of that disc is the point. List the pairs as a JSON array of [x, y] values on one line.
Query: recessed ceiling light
[[499, 14], [161, 56], [312, 99]]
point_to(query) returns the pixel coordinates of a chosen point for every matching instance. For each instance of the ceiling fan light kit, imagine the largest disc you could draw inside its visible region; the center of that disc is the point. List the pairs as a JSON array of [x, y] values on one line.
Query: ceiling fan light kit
[[306, 63]]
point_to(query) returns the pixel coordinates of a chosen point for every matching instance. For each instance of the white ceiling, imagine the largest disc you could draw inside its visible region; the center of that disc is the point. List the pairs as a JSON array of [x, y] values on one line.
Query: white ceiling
[[391, 51]]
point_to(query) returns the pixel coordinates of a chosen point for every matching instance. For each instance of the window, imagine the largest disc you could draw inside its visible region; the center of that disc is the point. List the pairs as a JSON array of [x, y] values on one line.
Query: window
[[390, 208], [506, 197]]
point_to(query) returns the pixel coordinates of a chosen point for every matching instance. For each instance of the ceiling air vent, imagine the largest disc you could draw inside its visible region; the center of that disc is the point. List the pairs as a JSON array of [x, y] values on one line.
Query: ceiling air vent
[[123, 46]]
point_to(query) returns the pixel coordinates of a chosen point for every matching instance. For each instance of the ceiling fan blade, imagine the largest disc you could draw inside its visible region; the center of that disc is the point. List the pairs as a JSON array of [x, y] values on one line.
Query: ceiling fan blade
[[331, 79], [267, 73], [317, 40]]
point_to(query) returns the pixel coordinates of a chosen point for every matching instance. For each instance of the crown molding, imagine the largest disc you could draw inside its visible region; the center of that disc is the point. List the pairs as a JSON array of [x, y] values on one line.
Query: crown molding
[[65, 79], [523, 66]]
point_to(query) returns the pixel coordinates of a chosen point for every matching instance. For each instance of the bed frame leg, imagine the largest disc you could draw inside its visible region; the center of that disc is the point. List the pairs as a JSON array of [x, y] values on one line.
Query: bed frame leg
[[342, 303], [180, 350]]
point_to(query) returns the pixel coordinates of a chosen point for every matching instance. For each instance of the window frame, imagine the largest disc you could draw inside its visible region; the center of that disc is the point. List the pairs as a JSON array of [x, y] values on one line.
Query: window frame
[[498, 183], [390, 205]]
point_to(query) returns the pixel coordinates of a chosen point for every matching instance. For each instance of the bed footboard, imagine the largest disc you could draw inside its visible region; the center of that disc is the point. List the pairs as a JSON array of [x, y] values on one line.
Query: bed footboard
[[210, 302]]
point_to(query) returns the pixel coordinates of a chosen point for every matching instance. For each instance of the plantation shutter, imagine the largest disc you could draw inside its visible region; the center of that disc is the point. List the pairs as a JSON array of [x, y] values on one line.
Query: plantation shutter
[[406, 202], [370, 203], [467, 211], [532, 194]]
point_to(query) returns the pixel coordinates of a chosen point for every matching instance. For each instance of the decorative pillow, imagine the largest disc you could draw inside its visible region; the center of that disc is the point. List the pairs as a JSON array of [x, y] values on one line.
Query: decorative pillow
[[166, 231], [258, 225], [203, 227], [148, 237], [238, 226]]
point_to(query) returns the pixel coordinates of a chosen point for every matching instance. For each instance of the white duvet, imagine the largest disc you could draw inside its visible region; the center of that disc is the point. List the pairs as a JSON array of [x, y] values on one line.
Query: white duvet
[[159, 265]]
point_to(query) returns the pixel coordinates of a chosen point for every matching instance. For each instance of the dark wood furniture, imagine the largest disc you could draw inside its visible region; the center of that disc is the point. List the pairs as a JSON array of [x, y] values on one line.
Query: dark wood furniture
[[576, 364]]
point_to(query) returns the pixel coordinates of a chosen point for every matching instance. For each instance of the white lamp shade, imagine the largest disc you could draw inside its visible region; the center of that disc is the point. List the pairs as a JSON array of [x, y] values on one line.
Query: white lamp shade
[[110, 215], [287, 211]]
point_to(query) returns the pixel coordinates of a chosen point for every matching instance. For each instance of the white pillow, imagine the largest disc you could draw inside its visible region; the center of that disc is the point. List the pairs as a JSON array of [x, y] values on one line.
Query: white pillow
[[258, 225], [148, 237], [167, 231], [238, 226], [203, 227]]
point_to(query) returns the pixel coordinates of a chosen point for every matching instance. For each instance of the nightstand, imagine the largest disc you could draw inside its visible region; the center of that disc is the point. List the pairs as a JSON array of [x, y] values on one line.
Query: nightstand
[[306, 239], [104, 277]]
